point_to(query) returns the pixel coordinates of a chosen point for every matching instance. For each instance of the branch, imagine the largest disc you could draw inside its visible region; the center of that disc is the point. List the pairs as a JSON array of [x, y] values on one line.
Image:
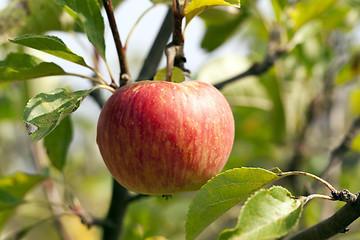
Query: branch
[[255, 69], [39, 156], [124, 69], [116, 212], [175, 50], [335, 224], [274, 52], [344, 146], [151, 62]]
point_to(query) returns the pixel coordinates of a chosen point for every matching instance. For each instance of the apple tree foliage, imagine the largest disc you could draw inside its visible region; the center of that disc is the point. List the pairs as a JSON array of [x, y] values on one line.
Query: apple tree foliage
[[294, 94]]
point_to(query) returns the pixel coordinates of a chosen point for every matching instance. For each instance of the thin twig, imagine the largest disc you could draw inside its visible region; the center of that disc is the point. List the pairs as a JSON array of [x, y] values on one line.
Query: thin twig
[[52, 193], [136, 197], [345, 145], [273, 53], [124, 69], [256, 69]]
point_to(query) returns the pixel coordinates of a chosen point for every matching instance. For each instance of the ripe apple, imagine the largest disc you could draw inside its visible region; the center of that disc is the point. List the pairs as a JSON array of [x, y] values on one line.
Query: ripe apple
[[162, 138]]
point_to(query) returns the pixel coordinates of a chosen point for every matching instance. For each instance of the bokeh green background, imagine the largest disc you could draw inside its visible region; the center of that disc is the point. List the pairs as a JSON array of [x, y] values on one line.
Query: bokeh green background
[[299, 109]]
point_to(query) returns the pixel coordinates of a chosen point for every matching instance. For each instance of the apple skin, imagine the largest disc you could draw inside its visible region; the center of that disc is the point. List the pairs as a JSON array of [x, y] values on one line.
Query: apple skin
[[161, 138]]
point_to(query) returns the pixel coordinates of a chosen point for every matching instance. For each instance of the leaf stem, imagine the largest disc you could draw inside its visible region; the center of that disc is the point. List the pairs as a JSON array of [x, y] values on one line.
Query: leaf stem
[[124, 69], [321, 196], [291, 173], [184, 7], [105, 87], [111, 76], [94, 80]]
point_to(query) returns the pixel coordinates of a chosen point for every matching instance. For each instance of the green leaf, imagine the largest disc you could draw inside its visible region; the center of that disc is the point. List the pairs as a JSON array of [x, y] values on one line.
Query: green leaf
[[52, 45], [274, 90], [221, 193], [89, 16], [221, 25], [7, 200], [304, 11], [195, 7], [57, 143], [268, 214], [306, 32], [350, 70], [13, 189], [12, 101], [21, 66], [46, 110], [177, 75]]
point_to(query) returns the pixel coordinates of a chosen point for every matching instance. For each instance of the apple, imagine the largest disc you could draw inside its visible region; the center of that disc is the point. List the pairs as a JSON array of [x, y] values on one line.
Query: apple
[[161, 138]]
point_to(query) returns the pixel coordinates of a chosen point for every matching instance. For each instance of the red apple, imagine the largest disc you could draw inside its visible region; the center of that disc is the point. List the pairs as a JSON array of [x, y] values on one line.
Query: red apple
[[162, 138]]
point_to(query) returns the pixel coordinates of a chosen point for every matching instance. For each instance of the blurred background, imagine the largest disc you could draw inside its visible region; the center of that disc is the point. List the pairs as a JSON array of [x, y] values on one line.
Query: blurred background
[[291, 116]]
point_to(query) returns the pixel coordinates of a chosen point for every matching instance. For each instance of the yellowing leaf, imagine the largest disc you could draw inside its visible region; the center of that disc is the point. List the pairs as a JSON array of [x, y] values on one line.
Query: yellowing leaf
[[177, 75], [195, 7]]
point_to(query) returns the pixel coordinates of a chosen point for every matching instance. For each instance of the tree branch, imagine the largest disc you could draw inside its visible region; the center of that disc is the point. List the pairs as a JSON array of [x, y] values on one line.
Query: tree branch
[[273, 53], [255, 69], [335, 224], [152, 61], [124, 69], [344, 146], [39, 156], [116, 212]]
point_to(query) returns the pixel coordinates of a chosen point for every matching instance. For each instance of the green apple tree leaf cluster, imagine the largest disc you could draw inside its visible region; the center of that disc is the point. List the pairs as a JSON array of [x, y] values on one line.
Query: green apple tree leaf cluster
[[295, 74]]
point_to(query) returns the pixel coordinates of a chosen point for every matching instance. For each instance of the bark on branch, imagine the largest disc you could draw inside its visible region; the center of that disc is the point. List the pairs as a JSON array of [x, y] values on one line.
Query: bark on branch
[[335, 224]]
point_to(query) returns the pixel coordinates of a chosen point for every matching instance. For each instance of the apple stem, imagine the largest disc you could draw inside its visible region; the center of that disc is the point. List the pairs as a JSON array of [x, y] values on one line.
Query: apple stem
[[175, 50], [125, 76]]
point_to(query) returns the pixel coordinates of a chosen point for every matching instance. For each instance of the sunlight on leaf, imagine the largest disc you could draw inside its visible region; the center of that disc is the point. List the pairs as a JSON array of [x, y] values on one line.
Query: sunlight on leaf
[[51, 45], [46, 110], [21, 66], [88, 14], [195, 7], [268, 214], [221, 193], [304, 11]]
